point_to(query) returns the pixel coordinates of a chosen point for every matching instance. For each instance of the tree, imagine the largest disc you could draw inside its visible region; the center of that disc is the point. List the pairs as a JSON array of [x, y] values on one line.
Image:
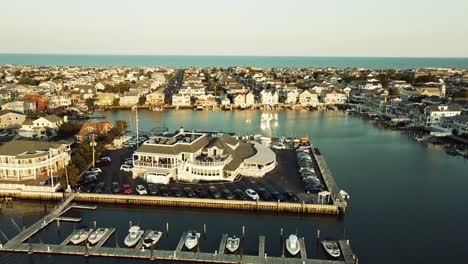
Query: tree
[[90, 103], [141, 100], [67, 130]]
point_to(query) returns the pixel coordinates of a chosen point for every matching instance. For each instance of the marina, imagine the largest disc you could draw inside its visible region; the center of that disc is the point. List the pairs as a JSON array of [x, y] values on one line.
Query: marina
[[21, 243]]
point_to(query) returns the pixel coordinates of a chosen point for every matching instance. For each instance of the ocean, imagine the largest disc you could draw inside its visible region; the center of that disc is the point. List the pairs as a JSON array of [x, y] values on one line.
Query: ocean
[[227, 61]]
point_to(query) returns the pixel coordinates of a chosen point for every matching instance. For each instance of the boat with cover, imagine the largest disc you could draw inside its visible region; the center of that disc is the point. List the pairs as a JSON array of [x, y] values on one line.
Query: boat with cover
[[97, 235], [134, 235], [331, 247], [151, 238], [81, 235], [232, 243], [191, 240], [292, 245]]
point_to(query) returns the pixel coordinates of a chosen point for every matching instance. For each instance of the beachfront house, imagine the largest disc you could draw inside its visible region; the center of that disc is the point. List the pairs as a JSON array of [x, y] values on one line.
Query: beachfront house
[[155, 98], [180, 100], [42, 127], [434, 114]]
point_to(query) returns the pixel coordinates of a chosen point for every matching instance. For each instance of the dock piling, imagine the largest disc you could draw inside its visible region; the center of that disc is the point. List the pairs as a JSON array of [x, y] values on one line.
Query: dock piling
[[204, 230], [130, 223], [94, 224], [243, 232], [167, 229], [318, 234]]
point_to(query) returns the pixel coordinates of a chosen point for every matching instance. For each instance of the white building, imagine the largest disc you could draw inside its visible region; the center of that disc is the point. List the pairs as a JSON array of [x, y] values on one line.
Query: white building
[[57, 101], [435, 113], [190, 156], [180, 100], [307, 98], [334, 97], [268, 97], [29, 160], [43, 127]]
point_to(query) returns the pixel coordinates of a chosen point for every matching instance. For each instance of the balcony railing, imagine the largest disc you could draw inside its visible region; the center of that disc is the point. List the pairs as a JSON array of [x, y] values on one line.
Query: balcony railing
[[155, 165], [211, 163], [34, 164]]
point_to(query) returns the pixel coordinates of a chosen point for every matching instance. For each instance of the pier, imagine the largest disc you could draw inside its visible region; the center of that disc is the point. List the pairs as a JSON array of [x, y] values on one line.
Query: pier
[[17, 244], [329, 181]]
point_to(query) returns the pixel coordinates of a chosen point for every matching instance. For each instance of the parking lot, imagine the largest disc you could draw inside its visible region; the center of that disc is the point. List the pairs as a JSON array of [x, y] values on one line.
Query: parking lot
[[285, 177]]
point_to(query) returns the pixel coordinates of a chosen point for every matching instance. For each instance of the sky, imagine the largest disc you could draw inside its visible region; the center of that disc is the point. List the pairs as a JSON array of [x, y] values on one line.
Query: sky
[[354, 28]]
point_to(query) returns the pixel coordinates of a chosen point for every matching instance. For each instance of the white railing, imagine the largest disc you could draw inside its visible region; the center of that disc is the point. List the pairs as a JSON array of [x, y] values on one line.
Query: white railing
[[256, 172], [155, 165], [34, 164], [29, 188], [211, 163]]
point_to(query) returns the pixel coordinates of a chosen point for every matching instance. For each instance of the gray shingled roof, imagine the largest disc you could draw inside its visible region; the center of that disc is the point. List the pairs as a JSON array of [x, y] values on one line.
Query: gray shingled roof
[[16, 147], [175, 149]]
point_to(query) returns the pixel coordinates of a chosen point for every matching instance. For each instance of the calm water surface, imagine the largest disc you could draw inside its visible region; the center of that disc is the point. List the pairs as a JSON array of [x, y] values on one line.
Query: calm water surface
[[228, 61], [408, 201]]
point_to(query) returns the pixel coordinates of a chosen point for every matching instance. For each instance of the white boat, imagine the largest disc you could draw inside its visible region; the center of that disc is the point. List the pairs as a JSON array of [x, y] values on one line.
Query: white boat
[[331, 247], [97, 235], [344, 194], [232, 243], [81, 235], [134, 235], [191, 240], [151, 238], [292, 245]]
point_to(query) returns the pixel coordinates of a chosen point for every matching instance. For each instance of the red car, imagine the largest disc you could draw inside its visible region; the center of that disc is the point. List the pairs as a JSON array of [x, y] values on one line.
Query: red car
[[127, 189]]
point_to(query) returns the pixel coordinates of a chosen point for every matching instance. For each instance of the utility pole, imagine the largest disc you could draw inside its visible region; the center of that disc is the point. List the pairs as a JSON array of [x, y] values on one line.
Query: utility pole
[[93, 144], [136, 124]]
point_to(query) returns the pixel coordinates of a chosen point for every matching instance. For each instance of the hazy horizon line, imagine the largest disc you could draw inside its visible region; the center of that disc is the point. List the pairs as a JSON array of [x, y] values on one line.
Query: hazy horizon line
[[226, 55]]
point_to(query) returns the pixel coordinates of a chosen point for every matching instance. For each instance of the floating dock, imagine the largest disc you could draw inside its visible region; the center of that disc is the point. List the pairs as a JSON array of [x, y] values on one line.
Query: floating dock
[[17, 244]]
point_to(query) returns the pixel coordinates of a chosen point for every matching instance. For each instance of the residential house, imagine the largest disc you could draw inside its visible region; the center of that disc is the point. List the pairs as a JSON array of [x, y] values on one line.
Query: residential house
[[20, 106], [59, 101], [269, 97], [93, 130], [42, 101], [292, 97], [42, 127], [435, 113], [180, 100], [308, 98], [129, 99], [105, 99], [9, 119], [155, 98], [334, 97], [30, 160]]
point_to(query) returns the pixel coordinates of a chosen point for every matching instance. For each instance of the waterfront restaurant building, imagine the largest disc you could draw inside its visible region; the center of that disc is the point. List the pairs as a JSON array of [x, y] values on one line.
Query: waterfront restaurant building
[[196, 156], [28, 160]]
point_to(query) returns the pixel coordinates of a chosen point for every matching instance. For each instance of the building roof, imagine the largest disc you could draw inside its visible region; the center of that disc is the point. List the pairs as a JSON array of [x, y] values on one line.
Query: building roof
[[98, 127], [6, 111], [53, 118], [435, 108], [176, 148], [16, 147]]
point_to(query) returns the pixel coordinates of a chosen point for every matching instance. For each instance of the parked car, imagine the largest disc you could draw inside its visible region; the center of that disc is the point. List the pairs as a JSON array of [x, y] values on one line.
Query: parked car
[[228, 194], [103, 161], [115, 187], [176, 192], [189, 192], [278, 196], [126, 167], [141, 190], [312, 187], [214, 192], [264, 194], [278, 145], [292, 196], [94, 170], [99, 187], [152, 189], [164, 191], [252, 194], [87, 179], [127, 189], [240, 195], [201, 193]]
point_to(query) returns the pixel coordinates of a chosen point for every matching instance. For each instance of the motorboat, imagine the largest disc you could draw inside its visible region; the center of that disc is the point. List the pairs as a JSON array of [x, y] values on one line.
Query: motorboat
[[344, 194], [134, 235], [97, 235], [292, 245], [332, 248], [232, 243], [151, 238], [81, 235], [191, 240]]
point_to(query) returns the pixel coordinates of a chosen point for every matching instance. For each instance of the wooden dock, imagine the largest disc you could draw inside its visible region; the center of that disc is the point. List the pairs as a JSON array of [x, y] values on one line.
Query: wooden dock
[[261, 246], [105, 238], [180, 245], [303, 248], [329, 181], [222, 245]]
